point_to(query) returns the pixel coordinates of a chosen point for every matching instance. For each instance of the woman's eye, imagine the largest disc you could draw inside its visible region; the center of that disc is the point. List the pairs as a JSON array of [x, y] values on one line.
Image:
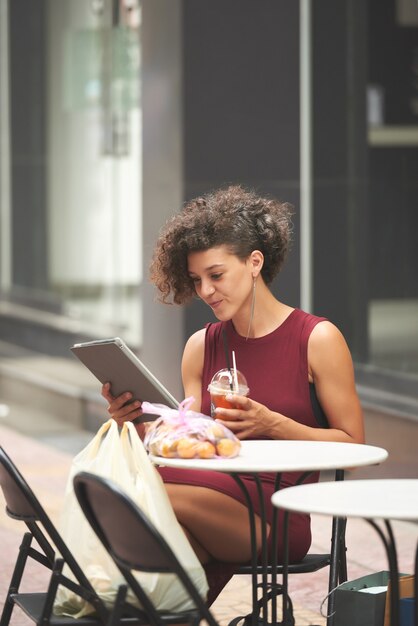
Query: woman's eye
[[216, 276], [195, 280]]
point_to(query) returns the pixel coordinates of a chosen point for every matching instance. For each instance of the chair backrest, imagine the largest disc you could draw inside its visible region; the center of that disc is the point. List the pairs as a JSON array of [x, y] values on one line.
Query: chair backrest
[[108, 510], [21, 502], [23, 505], [130, 537]]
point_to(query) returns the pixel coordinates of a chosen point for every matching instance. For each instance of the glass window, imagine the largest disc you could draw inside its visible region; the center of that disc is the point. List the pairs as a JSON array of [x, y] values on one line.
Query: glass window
[[71, 174], [392, 111]]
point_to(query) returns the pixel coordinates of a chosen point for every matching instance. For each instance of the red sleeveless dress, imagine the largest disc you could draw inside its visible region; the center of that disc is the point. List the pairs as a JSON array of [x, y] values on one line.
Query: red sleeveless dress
[[276, 369]]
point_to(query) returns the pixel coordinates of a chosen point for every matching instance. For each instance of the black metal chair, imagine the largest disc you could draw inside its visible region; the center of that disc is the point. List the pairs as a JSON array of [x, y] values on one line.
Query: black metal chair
[[135, 546], [51, 552]]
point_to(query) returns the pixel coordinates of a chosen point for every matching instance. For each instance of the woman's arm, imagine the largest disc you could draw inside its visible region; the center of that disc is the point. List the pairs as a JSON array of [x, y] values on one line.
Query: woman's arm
[[122, 409], [331, 369], [192, 368]]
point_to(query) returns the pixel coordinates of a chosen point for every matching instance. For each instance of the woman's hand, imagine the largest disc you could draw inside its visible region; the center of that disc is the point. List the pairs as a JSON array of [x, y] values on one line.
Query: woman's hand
[[120, 408], [249, 420]]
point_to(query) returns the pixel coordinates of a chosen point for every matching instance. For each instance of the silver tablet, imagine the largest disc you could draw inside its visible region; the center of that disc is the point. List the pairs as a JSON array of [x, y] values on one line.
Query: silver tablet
[[110, 360]]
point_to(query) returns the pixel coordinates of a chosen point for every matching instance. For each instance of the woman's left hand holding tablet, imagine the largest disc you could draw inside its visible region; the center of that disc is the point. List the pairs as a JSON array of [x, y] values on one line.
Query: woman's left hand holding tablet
[[121, 409]]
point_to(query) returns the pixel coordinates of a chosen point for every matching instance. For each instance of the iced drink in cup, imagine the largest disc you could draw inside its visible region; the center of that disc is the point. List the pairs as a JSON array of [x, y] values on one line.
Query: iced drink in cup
[[226, 382]]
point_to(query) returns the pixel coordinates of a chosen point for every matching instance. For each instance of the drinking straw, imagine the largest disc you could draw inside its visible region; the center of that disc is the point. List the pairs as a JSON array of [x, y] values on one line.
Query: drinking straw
[[228, 362], [235, 373]]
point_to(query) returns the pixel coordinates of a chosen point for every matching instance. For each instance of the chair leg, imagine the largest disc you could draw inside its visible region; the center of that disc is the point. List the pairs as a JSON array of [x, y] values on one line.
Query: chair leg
[[16, 579], [116, 613], [7, 611], [52, 591]]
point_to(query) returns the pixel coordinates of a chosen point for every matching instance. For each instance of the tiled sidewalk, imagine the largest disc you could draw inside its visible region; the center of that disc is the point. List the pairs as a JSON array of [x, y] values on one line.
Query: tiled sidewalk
[[46, 469]]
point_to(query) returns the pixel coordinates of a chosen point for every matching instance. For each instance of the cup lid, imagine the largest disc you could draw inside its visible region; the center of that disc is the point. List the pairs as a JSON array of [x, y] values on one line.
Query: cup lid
[[224, 380]]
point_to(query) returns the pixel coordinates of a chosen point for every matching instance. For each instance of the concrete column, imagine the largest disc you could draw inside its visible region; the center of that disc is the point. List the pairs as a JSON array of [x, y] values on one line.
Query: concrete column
[[163, 338]]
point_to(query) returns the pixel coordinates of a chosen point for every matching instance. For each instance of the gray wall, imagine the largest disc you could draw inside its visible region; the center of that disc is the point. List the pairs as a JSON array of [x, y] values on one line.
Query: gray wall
[[28, 148], [241, 109], [341, 215], [394, 169]]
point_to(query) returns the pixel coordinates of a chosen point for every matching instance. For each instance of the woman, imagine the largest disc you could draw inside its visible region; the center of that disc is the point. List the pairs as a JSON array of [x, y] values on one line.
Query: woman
[[226, 248]]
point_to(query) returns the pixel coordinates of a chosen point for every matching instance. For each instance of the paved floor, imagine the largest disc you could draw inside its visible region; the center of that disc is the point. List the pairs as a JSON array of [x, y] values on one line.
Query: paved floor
[[46, 466]]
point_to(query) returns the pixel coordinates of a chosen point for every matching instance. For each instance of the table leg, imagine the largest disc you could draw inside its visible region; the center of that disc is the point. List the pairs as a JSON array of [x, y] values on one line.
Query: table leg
[[390, 547], [264, 552], [255, 564], [254, 560], [267, 590], [287, 609], [274, 585]]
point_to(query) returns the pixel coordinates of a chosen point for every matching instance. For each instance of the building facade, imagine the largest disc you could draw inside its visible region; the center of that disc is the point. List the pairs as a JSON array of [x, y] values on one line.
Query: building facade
[[113, 112]]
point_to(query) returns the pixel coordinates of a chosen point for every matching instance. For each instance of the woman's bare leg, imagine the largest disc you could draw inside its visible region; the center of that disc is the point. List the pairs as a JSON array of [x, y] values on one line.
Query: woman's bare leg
[[217, 525]]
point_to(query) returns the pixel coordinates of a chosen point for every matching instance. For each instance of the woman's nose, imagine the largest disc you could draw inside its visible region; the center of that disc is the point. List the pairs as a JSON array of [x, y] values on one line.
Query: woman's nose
[[206, 289]]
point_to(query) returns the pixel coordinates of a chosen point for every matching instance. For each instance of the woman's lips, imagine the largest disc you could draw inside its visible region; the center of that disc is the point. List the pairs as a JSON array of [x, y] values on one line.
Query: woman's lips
[[214, 305]]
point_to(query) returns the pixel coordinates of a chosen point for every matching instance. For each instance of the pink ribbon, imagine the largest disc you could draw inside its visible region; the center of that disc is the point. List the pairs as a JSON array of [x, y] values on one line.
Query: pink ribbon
[[178, 415]]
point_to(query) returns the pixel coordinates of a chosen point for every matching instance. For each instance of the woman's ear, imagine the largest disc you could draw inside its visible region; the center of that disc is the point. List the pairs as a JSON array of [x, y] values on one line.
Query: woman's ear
[[256, 260]]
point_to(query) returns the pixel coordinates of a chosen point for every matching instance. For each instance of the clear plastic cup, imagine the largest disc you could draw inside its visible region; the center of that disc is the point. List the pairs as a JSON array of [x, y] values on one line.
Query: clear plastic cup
[[224, 384]]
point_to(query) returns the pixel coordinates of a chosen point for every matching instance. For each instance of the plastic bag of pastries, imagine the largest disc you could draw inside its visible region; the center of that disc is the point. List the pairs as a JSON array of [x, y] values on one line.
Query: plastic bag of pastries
[[186, 434]]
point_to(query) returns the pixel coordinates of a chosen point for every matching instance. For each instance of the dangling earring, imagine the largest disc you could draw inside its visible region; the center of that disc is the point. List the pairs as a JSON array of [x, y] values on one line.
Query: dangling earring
[[252, 309]]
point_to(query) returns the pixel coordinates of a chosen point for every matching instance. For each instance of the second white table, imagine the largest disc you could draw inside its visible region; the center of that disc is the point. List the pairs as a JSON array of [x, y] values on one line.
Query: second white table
[[384, 499]]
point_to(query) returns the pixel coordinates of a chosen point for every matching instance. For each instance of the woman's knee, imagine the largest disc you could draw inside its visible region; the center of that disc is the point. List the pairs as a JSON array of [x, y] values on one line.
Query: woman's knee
[[216, 521], [186, 503]]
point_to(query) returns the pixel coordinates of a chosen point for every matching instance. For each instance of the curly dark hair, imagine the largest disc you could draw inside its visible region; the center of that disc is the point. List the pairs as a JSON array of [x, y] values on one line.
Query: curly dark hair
[[233, 216]]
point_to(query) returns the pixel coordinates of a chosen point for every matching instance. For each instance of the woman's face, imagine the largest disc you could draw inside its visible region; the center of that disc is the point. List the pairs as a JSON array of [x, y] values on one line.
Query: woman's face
[[221, 280]]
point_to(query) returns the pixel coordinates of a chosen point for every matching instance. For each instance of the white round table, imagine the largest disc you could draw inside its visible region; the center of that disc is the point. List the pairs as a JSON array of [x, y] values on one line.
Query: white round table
[[286, 456], [279, 456], [381, 499]]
